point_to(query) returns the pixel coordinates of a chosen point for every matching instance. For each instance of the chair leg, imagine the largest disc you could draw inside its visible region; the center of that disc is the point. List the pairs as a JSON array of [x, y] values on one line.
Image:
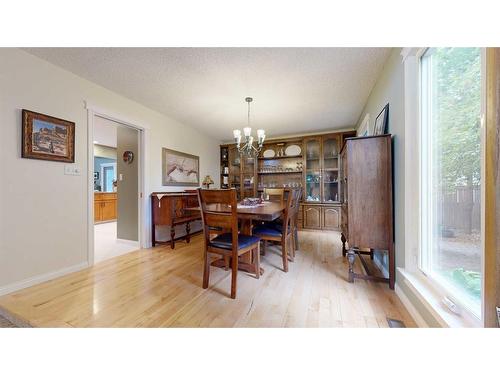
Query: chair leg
[[264, 244], [295, 239], [172, 236], [188, 229], [284, 255], [234, 276], [292, 248], [206, 269], [226, 263], [257, 260]]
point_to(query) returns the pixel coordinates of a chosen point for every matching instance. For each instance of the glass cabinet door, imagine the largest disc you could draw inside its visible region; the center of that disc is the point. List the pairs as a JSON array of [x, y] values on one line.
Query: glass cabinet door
[[235, 171], [330, 169], [312, 158], [248, 177]]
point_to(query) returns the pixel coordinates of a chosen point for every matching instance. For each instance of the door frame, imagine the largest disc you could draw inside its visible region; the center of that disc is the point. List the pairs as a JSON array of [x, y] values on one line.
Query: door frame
[[143, 133]]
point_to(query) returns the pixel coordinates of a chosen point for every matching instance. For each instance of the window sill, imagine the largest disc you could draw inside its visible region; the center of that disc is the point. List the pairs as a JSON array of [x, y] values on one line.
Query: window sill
[[432, 301]]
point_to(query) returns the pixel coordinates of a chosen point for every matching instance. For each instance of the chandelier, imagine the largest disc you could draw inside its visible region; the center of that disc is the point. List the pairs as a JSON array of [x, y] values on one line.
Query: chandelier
[[248, 149]]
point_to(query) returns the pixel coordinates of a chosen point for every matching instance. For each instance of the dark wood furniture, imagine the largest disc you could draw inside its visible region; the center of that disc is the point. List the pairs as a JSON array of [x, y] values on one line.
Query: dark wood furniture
[[171, 208], [282, 233], [105, 207], [246, 215], [219, 210], [314, 170], [274, 194], [367, 216]]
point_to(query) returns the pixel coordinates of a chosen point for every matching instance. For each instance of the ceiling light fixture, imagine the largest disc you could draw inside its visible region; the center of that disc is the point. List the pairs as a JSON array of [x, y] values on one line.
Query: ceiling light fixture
[[248, 149]]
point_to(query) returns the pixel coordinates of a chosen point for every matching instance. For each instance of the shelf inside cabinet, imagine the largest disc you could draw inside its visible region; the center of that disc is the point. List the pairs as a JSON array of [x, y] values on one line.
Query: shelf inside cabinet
[[284, 172], [281, 157]]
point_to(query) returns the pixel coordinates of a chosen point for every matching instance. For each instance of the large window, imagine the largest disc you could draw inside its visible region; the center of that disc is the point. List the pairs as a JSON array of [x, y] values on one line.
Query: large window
[[450, 251]]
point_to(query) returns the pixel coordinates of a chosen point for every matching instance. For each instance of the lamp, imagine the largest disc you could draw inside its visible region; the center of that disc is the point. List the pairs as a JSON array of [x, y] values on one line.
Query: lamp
[[248, 149], [207, 181]]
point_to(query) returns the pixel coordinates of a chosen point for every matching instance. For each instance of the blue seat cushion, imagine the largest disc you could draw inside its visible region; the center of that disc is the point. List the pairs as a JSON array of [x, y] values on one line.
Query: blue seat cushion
[[267, 230], [224, 241]]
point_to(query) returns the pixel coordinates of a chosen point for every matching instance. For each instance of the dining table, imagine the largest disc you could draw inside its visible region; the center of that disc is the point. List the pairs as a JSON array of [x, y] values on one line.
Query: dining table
[[266, 211]]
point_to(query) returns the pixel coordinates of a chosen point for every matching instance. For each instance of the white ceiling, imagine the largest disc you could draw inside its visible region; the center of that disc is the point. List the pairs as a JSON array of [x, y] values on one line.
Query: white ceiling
[[105, 132], [295, 90]]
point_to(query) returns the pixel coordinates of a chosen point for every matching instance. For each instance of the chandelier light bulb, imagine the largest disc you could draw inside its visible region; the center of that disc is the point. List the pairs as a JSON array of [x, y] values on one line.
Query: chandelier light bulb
[[247, 149]]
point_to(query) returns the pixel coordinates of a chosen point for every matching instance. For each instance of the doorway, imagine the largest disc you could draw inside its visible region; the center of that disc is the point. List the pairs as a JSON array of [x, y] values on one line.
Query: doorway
[[116, 188]]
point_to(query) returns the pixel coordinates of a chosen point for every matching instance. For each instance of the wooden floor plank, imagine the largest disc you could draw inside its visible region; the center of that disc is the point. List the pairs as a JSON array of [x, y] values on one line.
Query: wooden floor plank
[[161, 287]]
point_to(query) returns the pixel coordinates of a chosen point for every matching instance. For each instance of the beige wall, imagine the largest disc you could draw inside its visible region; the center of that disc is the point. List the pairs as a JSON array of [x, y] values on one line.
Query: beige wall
[[43, 213], [128, 188], [390, 89]]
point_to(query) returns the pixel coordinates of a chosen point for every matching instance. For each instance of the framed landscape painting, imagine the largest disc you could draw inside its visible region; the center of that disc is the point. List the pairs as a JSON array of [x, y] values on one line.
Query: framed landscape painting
[[47, 138], [180, 169]]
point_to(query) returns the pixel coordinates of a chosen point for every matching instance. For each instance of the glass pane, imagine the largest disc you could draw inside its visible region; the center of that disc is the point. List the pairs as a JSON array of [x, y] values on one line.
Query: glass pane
[[248, 177], [313, 185], [330, 154], [312, 155], [109, 177], [451, 110], [330, 186]]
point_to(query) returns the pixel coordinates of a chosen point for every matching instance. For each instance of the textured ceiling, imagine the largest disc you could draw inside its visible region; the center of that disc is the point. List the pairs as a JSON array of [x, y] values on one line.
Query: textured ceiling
[[295, 90]]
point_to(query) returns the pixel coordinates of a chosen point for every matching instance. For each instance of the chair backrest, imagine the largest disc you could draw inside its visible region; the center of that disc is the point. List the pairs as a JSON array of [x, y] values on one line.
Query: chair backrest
[[288, 213], [275, 194], [292, 210], [219, 210]]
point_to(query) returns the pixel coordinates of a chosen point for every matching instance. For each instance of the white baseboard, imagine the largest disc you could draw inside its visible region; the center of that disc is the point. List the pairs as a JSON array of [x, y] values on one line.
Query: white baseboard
[[411, 309], [6, 289], [128, 242]]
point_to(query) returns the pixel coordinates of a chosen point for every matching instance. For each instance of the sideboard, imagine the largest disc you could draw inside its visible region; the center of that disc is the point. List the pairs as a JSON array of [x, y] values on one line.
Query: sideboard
[[169, 209]]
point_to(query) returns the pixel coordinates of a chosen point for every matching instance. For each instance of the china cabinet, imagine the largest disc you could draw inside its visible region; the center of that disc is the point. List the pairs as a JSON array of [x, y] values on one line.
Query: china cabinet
[[310, 163]]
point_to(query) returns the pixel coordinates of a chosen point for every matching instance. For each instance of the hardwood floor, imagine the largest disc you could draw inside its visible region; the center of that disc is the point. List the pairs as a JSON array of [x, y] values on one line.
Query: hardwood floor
[[162, 288]]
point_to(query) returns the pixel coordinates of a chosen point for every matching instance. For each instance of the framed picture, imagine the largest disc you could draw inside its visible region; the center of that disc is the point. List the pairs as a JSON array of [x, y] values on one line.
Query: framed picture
[[180, 169], [47, 138], [381, 121]]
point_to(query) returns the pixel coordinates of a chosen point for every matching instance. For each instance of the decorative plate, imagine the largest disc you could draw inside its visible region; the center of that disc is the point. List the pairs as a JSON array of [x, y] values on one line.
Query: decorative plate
[[269, 153], [293, 150]]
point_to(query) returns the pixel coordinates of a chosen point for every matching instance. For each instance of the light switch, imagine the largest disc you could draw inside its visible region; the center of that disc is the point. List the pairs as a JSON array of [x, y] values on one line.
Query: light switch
[[121, 177], [72, 170]]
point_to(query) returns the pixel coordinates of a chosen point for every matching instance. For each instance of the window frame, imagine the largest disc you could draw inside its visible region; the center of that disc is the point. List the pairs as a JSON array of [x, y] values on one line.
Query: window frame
[[423, 258]]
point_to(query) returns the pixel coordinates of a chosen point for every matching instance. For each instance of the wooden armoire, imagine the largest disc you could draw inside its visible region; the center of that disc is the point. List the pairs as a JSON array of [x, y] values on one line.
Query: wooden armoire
[[367, 202]]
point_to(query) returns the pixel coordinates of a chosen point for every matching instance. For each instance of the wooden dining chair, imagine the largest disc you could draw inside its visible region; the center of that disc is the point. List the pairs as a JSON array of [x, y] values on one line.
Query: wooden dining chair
[[219, 210], [295, 232], [275, 194], [280, 233]]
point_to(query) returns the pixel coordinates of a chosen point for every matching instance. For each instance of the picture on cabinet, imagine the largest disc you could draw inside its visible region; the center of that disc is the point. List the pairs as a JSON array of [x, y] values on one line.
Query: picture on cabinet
[[381, 121]]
